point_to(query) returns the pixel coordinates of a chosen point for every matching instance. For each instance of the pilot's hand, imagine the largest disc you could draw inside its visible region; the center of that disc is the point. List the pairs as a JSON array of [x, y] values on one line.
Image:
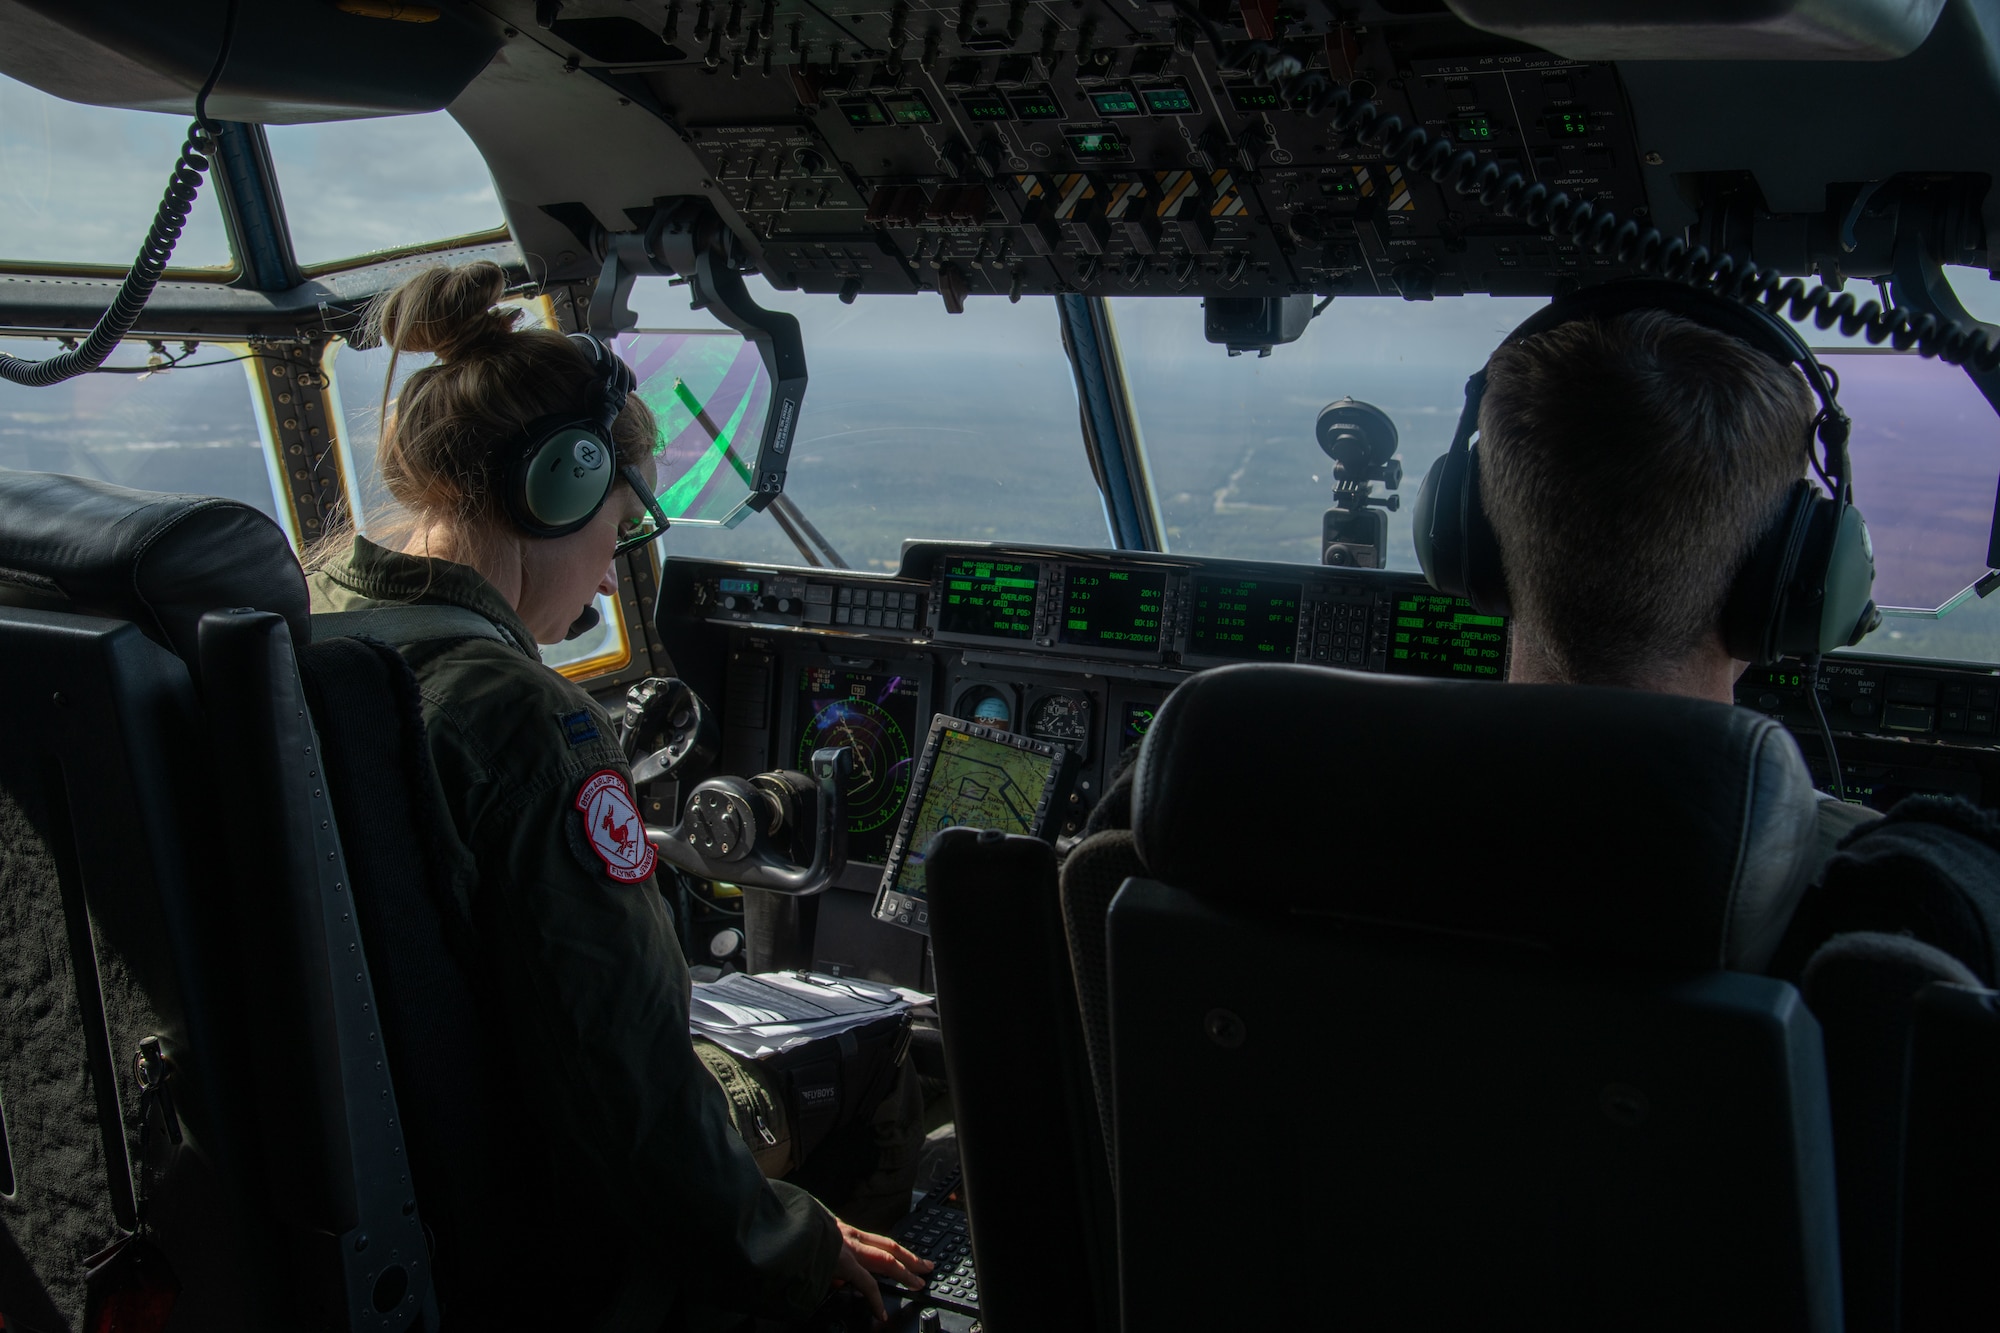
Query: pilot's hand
[[865, 1253]]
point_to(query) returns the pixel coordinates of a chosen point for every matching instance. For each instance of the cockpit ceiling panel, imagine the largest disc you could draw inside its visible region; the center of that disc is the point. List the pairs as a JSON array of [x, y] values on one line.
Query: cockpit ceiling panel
[[290, 61], [982, 147], [1091, 152]]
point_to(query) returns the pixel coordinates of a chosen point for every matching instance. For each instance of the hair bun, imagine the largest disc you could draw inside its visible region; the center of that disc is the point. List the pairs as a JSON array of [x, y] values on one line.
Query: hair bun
[[448, 311]]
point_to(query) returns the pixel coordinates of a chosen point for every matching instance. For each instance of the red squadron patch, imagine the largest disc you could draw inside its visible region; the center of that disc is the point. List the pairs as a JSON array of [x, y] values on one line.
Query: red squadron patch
[[611, 821]]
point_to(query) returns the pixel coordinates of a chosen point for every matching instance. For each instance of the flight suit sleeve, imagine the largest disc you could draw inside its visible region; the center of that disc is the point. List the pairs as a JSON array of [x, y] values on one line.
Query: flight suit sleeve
[[597, 992]]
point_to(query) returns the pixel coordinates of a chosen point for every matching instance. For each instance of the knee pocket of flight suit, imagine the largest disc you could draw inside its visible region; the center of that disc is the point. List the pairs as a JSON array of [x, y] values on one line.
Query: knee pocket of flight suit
[[756, 1107]]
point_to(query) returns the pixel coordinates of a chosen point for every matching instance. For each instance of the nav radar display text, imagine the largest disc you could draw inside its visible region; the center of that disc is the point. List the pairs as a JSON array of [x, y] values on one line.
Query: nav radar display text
[[1436, 635], [989, 597], [1118, 609], [974, 783]]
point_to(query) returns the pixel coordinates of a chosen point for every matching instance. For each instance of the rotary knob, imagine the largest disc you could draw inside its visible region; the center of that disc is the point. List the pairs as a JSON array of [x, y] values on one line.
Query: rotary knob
[[732, 603]]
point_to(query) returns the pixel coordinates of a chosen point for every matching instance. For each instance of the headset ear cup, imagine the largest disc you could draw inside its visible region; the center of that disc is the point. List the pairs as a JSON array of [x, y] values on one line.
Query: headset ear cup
[[1848, 611], [561, 479], [1752, 615], [1485, 576], [1437, 551]]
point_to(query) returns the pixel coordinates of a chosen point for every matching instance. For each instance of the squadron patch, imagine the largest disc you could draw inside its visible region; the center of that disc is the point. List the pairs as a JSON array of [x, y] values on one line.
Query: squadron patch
[[612, 825]]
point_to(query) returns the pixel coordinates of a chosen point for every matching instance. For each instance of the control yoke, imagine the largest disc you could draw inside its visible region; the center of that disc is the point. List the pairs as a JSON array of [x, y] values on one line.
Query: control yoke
[[686, 238], [733, 828], [745, 831]]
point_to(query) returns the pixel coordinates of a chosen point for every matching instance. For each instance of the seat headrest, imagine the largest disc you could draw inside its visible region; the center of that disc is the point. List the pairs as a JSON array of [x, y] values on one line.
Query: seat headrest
[[1616, 821], [159, 561]]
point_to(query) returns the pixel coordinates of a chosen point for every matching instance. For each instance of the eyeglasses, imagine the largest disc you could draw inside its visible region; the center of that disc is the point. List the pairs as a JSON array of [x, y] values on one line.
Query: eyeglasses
[[640, 531]]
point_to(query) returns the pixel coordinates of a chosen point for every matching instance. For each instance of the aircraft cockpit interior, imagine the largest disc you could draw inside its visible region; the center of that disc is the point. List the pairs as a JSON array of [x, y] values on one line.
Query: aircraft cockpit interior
[[957, 569]]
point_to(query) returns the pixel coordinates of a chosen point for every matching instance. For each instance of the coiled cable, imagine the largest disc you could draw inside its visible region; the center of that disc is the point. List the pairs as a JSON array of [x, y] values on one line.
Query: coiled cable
[[1589, 225], [183, 187]]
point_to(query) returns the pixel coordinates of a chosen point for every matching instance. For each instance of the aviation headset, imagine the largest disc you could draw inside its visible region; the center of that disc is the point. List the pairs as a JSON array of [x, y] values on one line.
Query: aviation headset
[[561, 468], [1804, 588]]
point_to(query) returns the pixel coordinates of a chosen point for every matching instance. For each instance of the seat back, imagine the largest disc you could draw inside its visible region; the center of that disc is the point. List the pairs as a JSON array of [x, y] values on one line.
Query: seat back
[[1863, 988], [1951, 1229], [1435, 1006], [1037, 1190], [169, 869]]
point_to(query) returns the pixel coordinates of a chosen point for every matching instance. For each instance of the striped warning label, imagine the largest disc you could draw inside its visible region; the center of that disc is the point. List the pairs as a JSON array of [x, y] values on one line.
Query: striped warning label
[[1399, 193], [1176, 189], [1123, 195], [1228, 201], [1070, 191]]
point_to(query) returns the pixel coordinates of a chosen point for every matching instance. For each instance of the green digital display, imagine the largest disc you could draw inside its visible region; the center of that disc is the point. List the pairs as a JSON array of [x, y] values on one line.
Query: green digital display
[[1098, 146], [984, 106], [1137, 721], [739, 587], [1571, 123], [1115, 102], [1116, 609], [1435, 635], [909, 109], [1169, 100], [1475, 129], [991, 598], [1244, 619], [1035, 104], [1254, 97], [862, 113]]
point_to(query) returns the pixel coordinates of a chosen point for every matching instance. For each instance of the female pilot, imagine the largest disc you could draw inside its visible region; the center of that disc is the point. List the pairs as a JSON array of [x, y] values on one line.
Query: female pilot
[[658, 1192]]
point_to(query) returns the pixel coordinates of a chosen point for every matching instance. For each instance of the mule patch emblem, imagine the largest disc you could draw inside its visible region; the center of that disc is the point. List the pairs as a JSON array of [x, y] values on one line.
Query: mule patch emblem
[[611, 822]]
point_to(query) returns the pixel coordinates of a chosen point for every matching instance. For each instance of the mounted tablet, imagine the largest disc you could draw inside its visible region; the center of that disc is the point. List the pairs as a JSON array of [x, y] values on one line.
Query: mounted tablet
[[975, 777]]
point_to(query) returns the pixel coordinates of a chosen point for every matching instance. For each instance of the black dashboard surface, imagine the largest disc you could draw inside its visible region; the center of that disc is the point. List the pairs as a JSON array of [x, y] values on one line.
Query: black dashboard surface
[[1081, 646]]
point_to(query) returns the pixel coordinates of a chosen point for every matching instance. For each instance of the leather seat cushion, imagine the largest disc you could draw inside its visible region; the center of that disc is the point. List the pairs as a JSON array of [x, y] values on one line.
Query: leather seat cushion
[[160, 561]]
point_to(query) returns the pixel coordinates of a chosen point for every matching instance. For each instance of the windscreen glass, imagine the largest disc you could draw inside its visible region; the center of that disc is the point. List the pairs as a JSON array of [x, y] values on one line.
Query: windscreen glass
[[357, 187], [1229, 441], [80, 184], [191, 430], [916, 424]]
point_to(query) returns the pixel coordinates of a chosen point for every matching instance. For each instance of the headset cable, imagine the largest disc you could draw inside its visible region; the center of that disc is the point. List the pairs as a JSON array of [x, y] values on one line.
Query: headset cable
[[1825, 729]]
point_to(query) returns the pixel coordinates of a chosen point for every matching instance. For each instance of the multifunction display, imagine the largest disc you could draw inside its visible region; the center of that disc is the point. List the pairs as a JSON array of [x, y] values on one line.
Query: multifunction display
[[874, 713], [1435, 635], [1119, 610], [1249, 620], [993, 598]]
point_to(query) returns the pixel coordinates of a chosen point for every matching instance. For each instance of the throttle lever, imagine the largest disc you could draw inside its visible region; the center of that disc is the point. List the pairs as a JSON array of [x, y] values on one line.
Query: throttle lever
[[728, 825]]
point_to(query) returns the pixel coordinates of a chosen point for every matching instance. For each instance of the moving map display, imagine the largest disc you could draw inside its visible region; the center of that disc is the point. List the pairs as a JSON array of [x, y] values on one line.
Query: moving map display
[[970, 777], [1435, 635], [874, 713]]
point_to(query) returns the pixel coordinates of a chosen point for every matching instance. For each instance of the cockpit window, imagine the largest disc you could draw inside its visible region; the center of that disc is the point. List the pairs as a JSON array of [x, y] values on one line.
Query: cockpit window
[[80, 184], [916, 423], [357, 187], [191, 430], [1229, 440]]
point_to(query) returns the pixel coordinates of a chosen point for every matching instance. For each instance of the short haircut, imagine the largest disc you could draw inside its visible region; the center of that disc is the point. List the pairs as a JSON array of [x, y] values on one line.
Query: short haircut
[[1628, 466]]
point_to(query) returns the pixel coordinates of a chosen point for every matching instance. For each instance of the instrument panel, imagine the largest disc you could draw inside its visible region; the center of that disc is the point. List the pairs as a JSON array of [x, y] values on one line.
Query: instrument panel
[[1080, 647]]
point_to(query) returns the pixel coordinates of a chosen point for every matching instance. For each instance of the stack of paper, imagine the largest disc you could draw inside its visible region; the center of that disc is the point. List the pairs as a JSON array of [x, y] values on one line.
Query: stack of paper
[[761, 1015]]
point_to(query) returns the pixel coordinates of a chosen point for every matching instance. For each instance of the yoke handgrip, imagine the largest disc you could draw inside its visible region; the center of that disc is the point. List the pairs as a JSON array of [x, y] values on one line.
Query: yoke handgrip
[[725, 831]]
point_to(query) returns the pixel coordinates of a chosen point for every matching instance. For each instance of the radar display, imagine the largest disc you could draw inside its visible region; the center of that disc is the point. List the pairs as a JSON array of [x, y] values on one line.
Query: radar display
[[974, 783], [873, 713]]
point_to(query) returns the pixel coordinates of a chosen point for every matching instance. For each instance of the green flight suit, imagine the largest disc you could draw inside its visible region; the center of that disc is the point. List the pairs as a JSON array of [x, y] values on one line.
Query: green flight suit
[[595, 981]]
